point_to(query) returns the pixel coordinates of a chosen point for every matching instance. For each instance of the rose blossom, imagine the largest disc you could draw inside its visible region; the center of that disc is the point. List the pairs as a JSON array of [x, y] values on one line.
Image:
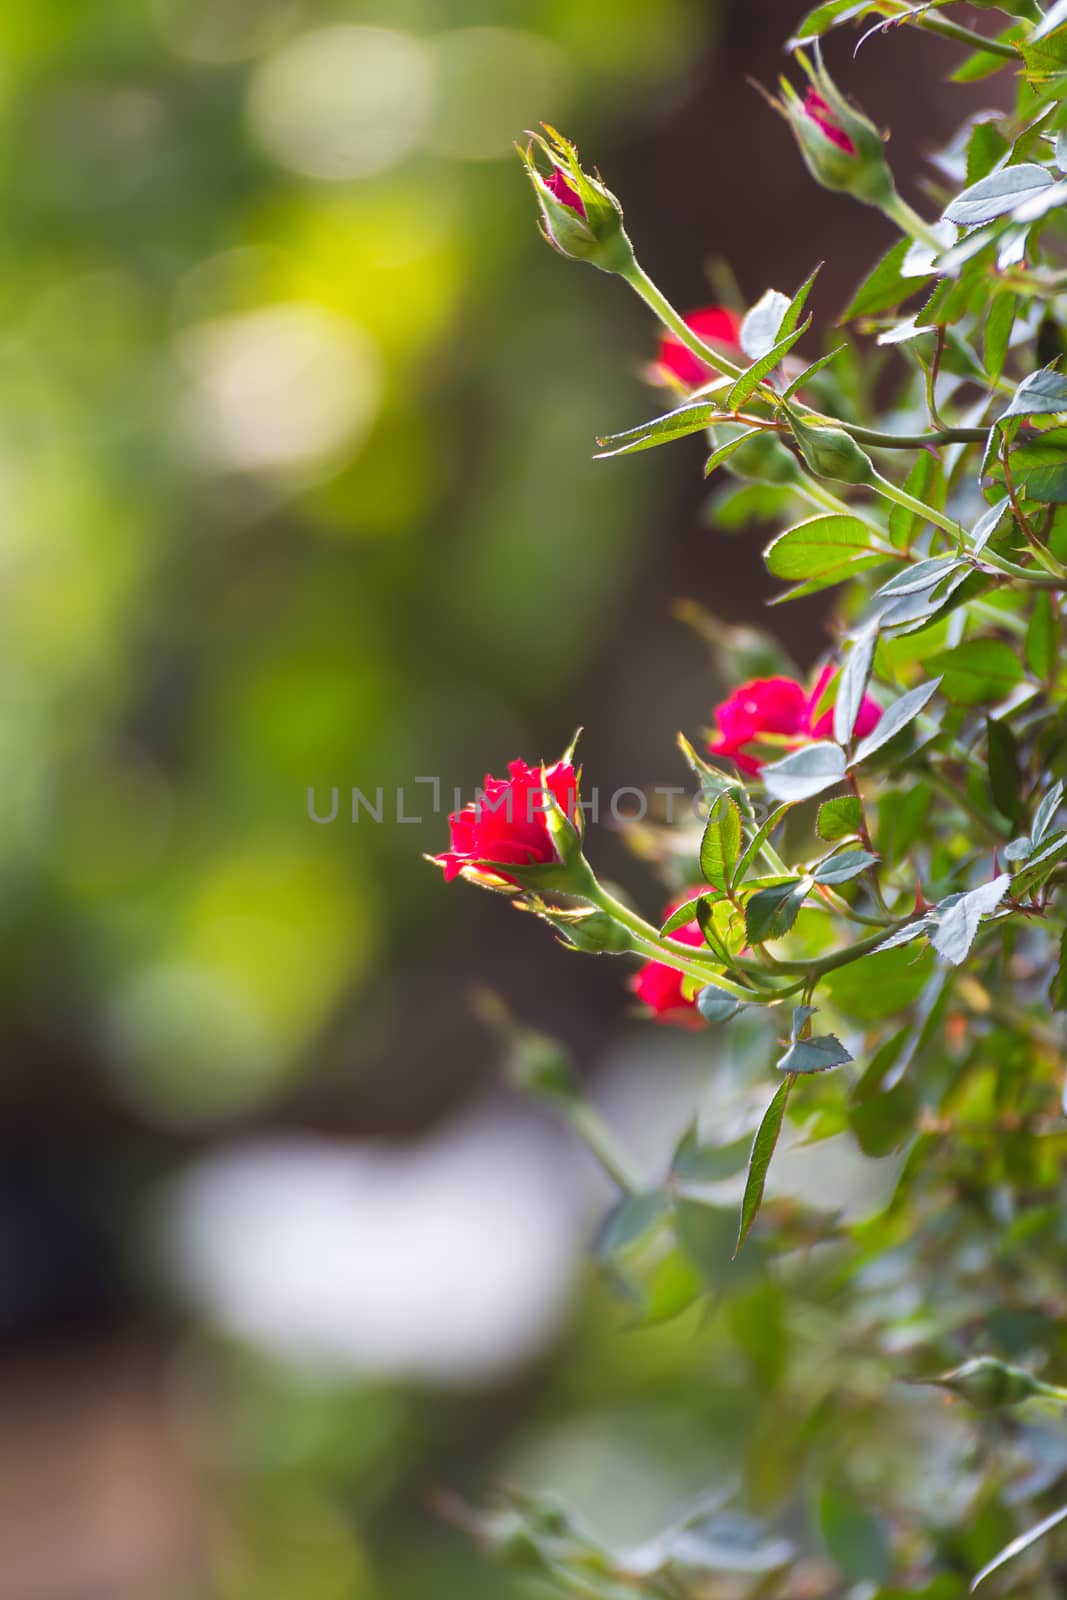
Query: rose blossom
[[507, 824], [659, 986], [778, 706], [719, 327]]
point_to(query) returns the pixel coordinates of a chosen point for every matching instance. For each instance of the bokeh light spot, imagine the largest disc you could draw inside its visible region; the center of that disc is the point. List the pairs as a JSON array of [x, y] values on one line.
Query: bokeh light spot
[[341, 102], [280, 387]]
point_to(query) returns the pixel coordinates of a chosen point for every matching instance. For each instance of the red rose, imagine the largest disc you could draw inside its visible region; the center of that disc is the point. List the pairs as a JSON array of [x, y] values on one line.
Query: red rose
[[778, 706], [765, 705], [507, 823], [659, 986], [718, 327]]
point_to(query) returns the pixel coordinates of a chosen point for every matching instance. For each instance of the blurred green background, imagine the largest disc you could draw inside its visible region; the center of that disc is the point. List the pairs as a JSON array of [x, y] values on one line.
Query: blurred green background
[[296, 424]]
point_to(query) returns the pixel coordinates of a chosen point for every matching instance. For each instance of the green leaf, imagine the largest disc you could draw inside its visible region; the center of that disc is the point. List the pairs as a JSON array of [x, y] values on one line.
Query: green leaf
[[1040, 867], [1057, 994], [894, 720], [986, 146], [828, 16], [853, 685], [877, 985], [925, 574], [829, 546], [672, 425], [958, 917], [681, 916], [814, 1055], [902, 816], [1047, 484], [720, 847], [1045, 56], [1005, 778], [882, 1121], [998, 326], [885, 287], [925, 482], [998, 194], [1042, 394], [697, 1163], [770, 913], [809, 372], [978, 671], [805, 772], [1045, 813], [987, 525], [725, 451], [854, 1536], [841, 868], [760, 1160], [1017, 1546], [754, 375], [839, 818], [756, 843], [715, 1005], [712, 937], [631, 1223]]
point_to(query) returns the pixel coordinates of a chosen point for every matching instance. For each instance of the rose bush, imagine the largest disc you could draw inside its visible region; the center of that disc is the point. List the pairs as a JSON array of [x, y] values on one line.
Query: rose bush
[[879, 939]]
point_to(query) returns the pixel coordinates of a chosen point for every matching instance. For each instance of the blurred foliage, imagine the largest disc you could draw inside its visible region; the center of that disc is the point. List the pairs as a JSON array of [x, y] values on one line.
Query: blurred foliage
[[290, 475]]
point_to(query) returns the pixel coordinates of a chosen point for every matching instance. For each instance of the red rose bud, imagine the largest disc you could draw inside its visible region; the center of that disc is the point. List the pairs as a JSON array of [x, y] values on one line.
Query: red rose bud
[[564, 193], [660, 987], [782, 708], [718, 327], [841, 147], [515, 824], [580, 217], [817, 111]]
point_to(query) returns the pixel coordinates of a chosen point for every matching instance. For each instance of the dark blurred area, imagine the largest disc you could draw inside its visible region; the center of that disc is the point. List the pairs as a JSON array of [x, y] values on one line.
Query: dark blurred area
[[296, 432]]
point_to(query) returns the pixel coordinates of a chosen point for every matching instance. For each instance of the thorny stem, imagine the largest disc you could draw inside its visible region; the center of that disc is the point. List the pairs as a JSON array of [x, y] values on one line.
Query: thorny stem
[[962, 35]]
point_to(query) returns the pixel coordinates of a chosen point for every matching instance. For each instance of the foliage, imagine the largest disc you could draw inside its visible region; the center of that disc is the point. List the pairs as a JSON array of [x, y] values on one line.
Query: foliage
[[929, 934]]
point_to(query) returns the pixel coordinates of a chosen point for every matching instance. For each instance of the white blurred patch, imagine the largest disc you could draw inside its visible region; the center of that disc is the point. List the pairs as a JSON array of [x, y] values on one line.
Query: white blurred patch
[[451, 1260], [279, 388], [342, 102]]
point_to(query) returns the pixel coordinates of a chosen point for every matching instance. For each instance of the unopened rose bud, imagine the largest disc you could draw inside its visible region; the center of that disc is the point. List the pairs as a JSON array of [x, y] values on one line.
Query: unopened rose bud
[[987, 1384], [841, 147], [580, 217], [592, 931], [831, 452]]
